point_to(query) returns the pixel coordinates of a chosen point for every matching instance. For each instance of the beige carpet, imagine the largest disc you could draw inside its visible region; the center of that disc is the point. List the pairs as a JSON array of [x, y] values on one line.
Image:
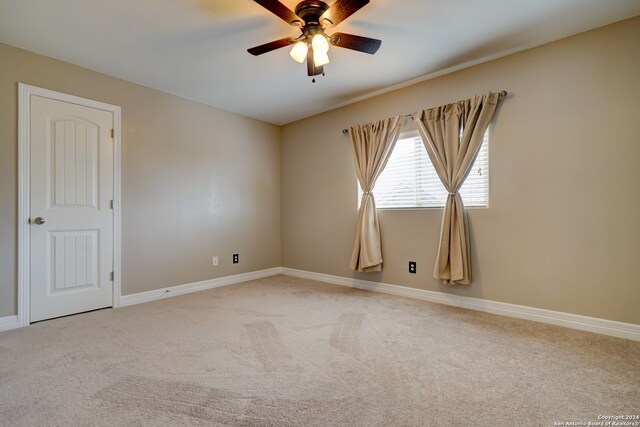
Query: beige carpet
[[283, 351]]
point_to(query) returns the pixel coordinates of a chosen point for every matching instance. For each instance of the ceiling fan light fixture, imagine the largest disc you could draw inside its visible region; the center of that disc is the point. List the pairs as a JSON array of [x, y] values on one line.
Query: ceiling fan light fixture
[[299, 51], [319, 43], [320, 58]]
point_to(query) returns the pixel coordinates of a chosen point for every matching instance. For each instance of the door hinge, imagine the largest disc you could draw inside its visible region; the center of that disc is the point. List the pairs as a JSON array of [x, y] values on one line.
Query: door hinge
[[111, 276], [112, 133], [111, 204]]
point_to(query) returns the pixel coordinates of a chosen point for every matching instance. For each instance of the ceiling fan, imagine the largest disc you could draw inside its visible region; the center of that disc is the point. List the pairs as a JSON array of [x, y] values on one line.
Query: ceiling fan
[[313, 17]]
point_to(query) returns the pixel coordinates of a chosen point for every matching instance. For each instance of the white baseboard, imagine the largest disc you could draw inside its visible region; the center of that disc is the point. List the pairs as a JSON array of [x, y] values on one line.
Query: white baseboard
[[9, 322], [174, 291], [590, 324]]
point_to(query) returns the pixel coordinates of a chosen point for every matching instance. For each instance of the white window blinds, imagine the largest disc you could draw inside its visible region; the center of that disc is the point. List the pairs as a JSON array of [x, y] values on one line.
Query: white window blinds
[[410, 181]]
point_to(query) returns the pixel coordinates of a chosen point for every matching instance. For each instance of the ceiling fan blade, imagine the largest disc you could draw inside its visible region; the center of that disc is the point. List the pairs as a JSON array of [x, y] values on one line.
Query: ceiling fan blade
[[277, 8], [312, 70], [268, 47], [359, 43], [341, 10]]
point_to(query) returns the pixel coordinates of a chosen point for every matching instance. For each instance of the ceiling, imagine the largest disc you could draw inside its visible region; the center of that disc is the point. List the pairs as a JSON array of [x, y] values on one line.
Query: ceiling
[[197, 49]]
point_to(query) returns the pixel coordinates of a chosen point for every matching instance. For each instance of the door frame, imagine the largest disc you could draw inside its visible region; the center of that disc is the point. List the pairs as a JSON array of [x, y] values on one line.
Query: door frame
[[24, 190]]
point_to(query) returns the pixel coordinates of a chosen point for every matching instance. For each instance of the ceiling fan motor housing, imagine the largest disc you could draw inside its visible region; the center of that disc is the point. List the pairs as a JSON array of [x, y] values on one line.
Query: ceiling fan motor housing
[[310, 11]]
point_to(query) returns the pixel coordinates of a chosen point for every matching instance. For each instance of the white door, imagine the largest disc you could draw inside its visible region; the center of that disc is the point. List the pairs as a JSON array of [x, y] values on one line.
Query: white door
[[72, 182]]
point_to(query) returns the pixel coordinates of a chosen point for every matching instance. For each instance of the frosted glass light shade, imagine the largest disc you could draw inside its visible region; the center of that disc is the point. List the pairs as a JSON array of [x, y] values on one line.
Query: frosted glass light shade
[[320, 43], [320, 58], [299, 51]]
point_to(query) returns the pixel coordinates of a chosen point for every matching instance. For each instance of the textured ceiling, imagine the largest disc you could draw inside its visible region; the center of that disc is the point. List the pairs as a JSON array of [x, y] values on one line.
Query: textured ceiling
[[197, 48]]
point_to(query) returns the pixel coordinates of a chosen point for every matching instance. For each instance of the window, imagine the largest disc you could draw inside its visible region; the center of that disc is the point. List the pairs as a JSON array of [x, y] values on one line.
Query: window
[[410, 180]]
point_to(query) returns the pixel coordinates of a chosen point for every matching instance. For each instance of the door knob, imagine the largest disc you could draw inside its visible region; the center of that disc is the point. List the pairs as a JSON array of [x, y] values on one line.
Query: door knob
[[39, 220]]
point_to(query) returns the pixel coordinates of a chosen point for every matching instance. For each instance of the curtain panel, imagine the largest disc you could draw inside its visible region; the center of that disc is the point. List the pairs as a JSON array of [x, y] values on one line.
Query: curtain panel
[[452, 135], [372, 145]]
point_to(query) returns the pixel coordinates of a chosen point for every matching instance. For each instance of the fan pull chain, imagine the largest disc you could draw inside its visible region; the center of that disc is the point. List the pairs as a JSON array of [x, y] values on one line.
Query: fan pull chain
[[314, 78]]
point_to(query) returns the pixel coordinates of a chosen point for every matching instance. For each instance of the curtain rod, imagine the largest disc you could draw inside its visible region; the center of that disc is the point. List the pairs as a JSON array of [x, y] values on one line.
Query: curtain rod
[[502, 94]]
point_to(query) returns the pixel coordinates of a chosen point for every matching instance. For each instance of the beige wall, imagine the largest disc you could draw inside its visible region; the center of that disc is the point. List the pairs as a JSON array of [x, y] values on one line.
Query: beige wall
[[562, 231], [563, 228], [196, 181]]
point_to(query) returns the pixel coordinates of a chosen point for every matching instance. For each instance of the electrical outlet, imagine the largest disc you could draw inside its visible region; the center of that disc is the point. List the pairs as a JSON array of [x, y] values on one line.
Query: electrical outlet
[[236, 258], [412, 267], [214, 261]]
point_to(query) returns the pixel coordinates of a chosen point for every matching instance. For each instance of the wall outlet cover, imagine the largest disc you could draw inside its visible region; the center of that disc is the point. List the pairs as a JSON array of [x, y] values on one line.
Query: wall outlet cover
[[236, 258], [214, 261], [412, 267]]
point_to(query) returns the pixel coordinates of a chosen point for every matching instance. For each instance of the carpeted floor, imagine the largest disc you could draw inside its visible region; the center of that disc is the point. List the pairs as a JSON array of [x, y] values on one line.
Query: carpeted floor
[[283, 351]]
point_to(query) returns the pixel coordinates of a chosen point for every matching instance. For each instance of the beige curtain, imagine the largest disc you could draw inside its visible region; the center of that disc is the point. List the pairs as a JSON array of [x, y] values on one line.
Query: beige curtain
[[372, 145], [452, 135]]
